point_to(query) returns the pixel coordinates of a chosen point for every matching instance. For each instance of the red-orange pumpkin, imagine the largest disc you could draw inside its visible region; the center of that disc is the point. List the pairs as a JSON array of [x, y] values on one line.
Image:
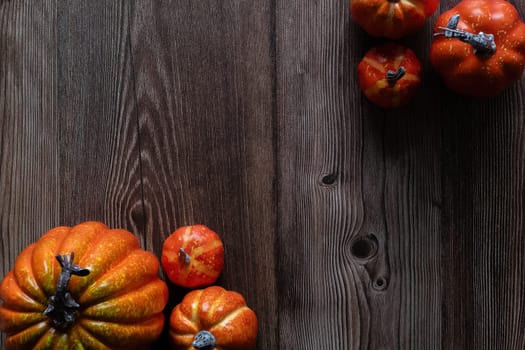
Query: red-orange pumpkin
[[389, 75], [392, 18], [479, 47], [83, 287], [213, 318], [193, 256]]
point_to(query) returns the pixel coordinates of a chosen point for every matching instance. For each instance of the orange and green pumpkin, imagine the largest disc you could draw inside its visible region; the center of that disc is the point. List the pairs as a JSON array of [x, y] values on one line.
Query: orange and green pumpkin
[[83, 287]]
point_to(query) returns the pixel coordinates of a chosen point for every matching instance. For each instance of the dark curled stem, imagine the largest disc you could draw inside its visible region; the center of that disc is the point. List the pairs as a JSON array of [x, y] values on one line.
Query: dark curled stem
[[393, 76], [184, 257], [61, 307]]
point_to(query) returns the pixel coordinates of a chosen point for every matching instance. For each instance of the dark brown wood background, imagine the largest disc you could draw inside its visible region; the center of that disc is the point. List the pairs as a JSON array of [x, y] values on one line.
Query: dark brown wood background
[[246, 116]]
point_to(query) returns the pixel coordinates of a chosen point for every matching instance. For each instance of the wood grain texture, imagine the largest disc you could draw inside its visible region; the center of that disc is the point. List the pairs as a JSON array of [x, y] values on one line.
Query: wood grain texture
[[355, 171], [393, 178], [29, 137], [345, 227], [482, 209], [69, 143], [204, 97], [28, 127], [482, 224], [318, 140], [99, 167]]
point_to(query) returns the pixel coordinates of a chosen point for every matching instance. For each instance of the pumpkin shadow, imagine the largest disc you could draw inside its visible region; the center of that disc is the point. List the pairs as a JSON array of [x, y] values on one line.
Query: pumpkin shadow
[[176, 294]]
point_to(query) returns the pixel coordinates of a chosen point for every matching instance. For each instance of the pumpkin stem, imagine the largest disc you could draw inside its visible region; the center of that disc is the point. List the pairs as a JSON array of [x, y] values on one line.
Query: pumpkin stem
[[184, 257], [483, 44], [204, 340], [393, 76], [61, 307]]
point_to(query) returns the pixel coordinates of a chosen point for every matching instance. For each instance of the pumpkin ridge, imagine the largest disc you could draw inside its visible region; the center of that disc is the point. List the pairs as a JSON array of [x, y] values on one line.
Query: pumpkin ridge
[[130, 289], [111, 263], [201, 267], [88, 319], [48, 333], [209, 246], [91, 245], [98, 228], [186, 323], [48, 340], [123, 301], [13, 321], [86, 336], [16, 297], [43, 259], [27, 337], [126, 335], [23, 264], [374, 64], [195, 306], [229, 317], [218, 301], [94, 244], [131, 283]]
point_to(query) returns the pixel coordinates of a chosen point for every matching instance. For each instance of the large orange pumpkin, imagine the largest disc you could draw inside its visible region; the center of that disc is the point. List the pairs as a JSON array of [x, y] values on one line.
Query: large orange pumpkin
[[211, 319], [83, 287]]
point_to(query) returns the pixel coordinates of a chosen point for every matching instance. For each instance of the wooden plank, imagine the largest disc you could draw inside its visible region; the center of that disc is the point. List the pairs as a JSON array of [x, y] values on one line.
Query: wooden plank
[[388, 181], [68, 126], [482, 224], [386, 177], [482, 230], [204, 93], [324, 294], [29, 138], [99, 165], [69, 148]]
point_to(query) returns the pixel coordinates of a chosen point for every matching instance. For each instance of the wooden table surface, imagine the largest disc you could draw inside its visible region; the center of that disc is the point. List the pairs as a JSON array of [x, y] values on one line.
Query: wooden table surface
[[246, 116]]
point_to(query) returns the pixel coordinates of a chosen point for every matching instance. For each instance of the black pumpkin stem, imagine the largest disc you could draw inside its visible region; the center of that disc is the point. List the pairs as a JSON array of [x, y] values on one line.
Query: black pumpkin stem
[[61, 307], [204, 340], [393, 76], [184, 257], [483, 44]]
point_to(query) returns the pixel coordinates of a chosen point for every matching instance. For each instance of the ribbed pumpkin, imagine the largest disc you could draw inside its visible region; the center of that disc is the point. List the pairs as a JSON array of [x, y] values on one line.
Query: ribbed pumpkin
[[479, 47], [83, 287], [211, 319], [389, 74], [193, 256], [392, 18]]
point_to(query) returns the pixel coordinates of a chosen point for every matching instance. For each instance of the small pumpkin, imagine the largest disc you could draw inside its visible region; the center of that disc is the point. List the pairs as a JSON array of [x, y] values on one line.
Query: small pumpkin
[[389, 74], [193, 256], [83, 287], [479, 47], [391, 19], [211, 319]]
